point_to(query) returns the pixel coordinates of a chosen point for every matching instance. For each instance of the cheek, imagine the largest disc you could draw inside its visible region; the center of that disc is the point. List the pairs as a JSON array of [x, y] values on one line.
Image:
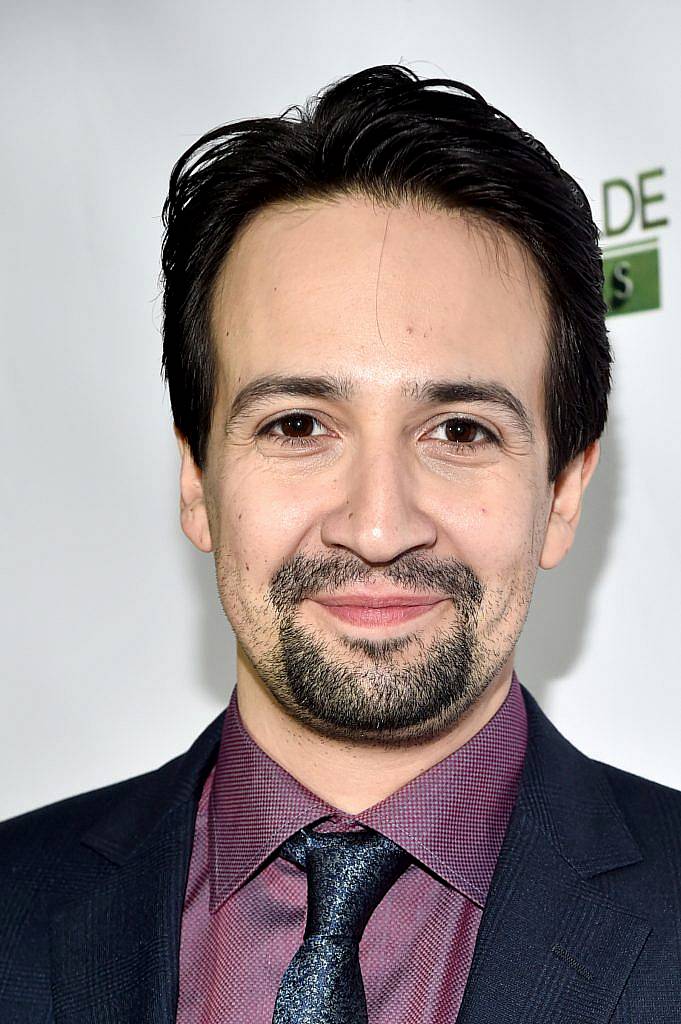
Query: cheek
[[260, 526], [502, 542], [492, 530]]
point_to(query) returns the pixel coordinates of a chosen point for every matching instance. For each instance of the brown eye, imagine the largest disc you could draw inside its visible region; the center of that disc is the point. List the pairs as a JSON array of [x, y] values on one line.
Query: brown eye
[[297, 425], [461, 431], [464, 435]]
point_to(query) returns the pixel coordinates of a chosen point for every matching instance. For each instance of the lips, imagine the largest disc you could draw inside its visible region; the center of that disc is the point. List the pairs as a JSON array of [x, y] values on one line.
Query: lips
[[374, 609], [369, 599]]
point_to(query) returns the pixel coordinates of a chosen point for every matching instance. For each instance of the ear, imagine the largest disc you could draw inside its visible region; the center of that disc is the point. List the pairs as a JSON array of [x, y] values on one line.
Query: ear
[[193, 511], [566, 506]]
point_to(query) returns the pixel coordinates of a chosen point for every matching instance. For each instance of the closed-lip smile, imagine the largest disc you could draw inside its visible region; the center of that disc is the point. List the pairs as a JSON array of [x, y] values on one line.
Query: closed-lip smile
[[371, 599], [372, 608]]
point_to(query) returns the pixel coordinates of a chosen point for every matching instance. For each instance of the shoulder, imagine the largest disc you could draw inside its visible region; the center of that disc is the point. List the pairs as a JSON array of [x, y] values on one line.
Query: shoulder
[[61, 850], [119, 815], [47, 856], [43, 865], [74, 812], [36, 848], [608, 823], [652, 812], [75, 850]]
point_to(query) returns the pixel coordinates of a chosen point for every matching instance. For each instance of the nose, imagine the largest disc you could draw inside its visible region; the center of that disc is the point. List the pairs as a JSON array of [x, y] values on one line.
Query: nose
[[378, 516]]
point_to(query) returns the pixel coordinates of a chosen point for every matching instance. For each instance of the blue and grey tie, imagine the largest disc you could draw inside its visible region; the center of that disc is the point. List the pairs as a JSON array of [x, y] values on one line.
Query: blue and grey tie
[[348, 874]]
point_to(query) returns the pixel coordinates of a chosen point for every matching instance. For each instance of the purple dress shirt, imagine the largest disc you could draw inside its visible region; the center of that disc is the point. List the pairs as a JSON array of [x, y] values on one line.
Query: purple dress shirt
[[244, 909]]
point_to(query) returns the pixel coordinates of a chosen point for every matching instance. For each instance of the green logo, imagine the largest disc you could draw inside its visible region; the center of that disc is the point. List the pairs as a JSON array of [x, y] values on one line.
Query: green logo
[[632, 278], [632, 269]]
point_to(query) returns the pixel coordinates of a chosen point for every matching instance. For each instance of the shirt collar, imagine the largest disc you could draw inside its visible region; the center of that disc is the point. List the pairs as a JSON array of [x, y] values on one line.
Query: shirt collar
[[451, 819]]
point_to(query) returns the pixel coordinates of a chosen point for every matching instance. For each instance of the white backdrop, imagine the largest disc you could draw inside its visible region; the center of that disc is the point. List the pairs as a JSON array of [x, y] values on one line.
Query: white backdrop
[[115, 650]]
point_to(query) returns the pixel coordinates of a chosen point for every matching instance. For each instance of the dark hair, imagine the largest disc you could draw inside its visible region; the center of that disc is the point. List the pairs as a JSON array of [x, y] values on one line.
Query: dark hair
[[385, 133]]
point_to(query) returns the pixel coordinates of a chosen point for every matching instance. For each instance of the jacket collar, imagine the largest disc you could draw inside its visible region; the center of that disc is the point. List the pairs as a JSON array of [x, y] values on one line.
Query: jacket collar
[[150, 798], [569, 797]]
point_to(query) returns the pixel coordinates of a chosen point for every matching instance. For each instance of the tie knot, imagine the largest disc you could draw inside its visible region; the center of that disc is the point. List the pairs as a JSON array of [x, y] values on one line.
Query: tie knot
[[348, 874]]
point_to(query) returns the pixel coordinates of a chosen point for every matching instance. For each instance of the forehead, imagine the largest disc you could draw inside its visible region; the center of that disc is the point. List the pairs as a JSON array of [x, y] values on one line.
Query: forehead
[[381, 294]]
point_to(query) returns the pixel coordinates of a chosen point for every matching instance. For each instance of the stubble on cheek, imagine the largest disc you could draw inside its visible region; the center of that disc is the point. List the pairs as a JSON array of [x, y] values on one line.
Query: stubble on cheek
[[508, 596], [232, 587], [242, 609], [252, 620]]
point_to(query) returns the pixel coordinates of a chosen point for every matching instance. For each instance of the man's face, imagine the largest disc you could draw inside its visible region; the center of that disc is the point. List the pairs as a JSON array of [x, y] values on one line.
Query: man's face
[[378, 437]]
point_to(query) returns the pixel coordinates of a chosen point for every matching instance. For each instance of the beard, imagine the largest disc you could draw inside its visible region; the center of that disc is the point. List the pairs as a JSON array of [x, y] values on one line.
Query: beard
[[378, 692]]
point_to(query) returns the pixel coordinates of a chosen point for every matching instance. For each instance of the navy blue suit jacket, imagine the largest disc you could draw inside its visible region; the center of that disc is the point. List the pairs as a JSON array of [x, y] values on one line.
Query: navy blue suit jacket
[[582, 924]]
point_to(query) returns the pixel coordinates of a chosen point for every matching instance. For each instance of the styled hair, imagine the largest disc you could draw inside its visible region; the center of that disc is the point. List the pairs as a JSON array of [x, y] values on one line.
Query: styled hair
[[386, 134]]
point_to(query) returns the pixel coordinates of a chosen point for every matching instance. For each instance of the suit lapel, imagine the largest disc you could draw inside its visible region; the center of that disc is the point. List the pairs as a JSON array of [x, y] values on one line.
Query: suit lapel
[[551, 945], [115, 952]]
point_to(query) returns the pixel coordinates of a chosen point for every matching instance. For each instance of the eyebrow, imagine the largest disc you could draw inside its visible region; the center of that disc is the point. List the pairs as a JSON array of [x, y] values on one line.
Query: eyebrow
[[272, 385], [490, 392], [429, 392]]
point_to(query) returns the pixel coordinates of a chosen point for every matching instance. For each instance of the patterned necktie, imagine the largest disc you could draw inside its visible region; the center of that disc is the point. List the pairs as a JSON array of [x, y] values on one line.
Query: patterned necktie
[[348, 874]]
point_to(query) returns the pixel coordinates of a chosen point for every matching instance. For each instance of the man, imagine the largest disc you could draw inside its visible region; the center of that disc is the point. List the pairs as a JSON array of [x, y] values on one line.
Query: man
[[385, 345]]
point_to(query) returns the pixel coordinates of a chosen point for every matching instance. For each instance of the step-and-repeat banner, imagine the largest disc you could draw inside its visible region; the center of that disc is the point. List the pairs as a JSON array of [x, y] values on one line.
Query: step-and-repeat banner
[[115, 650]]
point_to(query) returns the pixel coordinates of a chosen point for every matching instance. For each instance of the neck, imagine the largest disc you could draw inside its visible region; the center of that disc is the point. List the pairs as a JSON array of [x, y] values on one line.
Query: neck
[[351, 776]]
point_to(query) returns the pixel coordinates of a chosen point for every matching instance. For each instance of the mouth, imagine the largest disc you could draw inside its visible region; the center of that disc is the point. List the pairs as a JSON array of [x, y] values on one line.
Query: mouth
[[372, 610]]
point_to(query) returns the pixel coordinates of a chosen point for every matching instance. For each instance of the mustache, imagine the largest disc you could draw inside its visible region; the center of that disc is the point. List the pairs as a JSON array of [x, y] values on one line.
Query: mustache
[[303, 576]]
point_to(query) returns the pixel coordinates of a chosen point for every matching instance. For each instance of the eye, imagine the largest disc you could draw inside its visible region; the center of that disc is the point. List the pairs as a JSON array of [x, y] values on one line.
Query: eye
[[296, 429], [464, 433]]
